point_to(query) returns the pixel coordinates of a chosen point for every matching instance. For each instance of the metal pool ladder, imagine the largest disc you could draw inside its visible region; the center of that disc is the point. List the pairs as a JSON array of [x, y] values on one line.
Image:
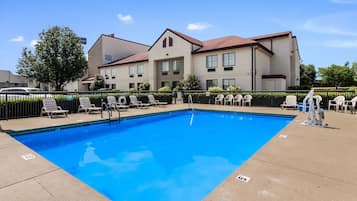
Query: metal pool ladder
[[190, 102]]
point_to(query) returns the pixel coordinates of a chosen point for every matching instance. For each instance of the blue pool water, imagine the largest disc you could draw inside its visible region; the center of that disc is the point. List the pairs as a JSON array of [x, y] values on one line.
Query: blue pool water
[[172, 156]]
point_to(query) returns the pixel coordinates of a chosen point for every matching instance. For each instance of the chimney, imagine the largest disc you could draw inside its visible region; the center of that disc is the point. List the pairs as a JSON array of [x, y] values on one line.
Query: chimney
[[112, 35]]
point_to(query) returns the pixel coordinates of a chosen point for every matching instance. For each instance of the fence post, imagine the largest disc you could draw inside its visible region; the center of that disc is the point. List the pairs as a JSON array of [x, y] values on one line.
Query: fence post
[[6, 108]]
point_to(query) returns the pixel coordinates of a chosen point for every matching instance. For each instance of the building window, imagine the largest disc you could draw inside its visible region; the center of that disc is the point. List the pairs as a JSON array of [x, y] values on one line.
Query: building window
[[164, 43], [228, 82], [176, 66], [211, 83], [113, 73], [114, 86], [131, 71], [140, 70], [107, 73], [229, 59], [131, 85], [165, 84], [164, 67], [107, 86], [174, 84], [211, 61], [138, 85], [170, 42]]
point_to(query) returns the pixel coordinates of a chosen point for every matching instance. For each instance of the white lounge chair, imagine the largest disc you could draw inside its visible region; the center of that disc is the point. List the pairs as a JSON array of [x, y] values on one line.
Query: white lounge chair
[[138, 104], [179, 97], [114, 104], [336, 102], [228, 99], [50, 108], [350, 104], [155, 102], [247, 100], [290, 102], [87, 106], [219, 99], [238, 100]]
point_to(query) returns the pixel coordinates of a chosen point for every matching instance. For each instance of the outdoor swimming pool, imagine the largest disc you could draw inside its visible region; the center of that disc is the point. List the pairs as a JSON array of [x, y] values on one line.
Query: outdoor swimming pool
[[170, 156]]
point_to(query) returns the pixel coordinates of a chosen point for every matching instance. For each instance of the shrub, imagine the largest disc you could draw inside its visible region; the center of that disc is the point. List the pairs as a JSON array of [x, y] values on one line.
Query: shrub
[[144, 86], [302, 87], [191, 83], [98, 83], [164, 89], [233, 88], [214, 89]]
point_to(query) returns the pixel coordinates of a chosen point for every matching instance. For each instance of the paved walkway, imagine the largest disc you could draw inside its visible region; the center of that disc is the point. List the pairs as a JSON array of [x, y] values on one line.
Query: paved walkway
[[311, 163]]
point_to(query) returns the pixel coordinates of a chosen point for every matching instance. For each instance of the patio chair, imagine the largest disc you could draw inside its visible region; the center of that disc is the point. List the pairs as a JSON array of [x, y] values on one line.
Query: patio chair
[[290, 102], [114, 104], [247, 100], [228, 99], [350, 104], [87, 106], [155, 102], [50, 108], [336, 102], [179, 97], [219, 99], [138, 104], [238, 100]]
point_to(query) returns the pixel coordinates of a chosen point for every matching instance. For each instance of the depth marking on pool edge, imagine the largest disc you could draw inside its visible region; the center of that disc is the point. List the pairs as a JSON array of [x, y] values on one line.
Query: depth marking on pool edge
[[243, 178], [28, 156]]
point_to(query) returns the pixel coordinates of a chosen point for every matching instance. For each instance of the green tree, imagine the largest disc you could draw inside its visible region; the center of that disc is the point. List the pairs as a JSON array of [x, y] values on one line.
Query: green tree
[[337, 76], [58, 58], [191, 83], [98, 83], [307, 74]]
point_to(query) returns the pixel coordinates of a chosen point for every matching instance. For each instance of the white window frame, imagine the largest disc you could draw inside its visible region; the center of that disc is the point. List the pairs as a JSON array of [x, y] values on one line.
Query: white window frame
[[166, 66], [215, 83], [140, 69], [211, 61], [132, 70], [229, 59], [229, 83]]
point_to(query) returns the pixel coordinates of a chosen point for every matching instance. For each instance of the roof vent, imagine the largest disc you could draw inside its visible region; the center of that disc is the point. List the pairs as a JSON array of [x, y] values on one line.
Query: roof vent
[[111, 35]]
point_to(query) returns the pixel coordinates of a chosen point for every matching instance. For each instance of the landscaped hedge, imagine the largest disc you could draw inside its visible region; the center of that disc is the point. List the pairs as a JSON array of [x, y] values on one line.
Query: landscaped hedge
[[31, 107]]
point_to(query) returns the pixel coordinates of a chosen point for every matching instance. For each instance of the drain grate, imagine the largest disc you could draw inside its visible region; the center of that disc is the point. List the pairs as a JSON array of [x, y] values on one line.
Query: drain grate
[[27, 157], [243, 178]]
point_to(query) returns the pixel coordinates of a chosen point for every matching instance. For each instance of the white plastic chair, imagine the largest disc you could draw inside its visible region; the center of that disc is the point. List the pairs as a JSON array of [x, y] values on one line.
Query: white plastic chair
[[87, 106], [336, 102], [290, 102], [219, 99], [228, 100], [247, 100], [351, 104], [238, 100]]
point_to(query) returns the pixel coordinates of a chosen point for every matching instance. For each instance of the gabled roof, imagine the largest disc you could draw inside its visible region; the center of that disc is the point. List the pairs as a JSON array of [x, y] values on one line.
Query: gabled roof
[[142, 56], [224, 43], [273, 35], [181, 35], [109, 36]]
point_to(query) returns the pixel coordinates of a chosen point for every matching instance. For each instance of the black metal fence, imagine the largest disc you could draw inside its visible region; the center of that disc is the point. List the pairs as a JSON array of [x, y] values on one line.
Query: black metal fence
[[22, 105]]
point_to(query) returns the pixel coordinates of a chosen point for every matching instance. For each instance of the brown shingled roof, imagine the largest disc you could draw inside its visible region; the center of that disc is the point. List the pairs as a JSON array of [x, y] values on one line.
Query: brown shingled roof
[[187, 38], [225, 42], [273, 35], [142, 56]]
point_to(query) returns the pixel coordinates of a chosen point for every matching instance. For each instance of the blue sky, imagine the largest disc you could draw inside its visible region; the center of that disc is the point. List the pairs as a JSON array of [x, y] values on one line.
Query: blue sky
[[326, 29]]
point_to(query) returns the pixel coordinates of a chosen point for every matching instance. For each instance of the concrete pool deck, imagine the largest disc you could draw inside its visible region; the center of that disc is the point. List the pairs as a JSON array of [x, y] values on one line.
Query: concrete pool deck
[[307, 163]]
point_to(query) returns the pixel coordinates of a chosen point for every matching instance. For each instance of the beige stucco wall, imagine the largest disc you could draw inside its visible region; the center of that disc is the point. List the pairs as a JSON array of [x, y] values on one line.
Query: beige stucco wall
[[241, 71], [95, 58], [262, 67], [273, 84], [122, 78], [180, 48]]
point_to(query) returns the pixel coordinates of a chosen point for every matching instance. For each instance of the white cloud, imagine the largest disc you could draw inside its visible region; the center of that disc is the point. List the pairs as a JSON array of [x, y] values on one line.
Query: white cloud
[[198, 26], [33, 43], [126, 19], [344, 1], [341, 43], [334, 24], [17, 39]]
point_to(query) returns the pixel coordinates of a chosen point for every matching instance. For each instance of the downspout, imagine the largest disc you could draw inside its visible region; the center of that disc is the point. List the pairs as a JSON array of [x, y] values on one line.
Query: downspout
[[252, 68], [255, 69]]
